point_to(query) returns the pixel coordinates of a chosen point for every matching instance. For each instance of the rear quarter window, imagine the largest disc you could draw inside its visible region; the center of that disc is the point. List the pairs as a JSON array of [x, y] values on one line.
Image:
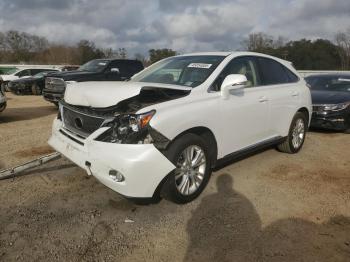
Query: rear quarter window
[[272, 72]]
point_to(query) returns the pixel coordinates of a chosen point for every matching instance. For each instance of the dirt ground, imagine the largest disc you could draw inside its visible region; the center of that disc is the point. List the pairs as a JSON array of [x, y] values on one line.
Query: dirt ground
[[268, 207]]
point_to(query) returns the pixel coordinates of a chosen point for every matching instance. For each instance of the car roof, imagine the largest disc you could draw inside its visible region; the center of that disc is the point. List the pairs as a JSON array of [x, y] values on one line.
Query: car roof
[[239, 53], [235, 53], [329, 75]]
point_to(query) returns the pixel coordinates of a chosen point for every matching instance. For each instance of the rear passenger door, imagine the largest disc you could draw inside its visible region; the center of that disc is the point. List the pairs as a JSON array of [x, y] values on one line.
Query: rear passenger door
[[282, 90]]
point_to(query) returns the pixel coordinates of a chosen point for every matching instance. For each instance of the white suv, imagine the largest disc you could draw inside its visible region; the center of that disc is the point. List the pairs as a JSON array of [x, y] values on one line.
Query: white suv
[[162, 132]]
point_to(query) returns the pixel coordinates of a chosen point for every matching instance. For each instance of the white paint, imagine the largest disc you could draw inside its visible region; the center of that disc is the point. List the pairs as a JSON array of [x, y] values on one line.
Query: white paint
[[84, 93], [248, 116]]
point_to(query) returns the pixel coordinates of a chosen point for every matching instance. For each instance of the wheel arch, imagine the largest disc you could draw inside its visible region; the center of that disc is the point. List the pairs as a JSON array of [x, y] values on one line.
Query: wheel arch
[[207, 135], [306, 112]]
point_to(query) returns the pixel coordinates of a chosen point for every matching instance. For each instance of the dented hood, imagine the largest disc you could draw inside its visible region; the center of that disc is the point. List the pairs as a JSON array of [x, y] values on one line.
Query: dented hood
[[105, 94]]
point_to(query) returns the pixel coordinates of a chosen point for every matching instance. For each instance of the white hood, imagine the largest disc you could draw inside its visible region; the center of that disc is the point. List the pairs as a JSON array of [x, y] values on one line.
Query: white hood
[[105, 94]]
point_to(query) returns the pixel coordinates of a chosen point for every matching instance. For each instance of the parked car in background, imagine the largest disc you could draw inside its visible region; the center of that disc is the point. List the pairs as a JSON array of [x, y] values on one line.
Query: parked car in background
[[2, 100], [163, 131], [94, 70], [32, 85], [331, 101], [69, 68], [16, 74]]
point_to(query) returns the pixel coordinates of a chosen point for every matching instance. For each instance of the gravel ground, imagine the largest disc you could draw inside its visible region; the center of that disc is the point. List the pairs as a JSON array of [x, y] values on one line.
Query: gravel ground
[[268, 207]]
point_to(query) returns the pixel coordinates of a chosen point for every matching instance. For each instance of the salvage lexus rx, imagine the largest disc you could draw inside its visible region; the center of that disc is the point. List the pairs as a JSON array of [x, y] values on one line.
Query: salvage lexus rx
[[162, 132]]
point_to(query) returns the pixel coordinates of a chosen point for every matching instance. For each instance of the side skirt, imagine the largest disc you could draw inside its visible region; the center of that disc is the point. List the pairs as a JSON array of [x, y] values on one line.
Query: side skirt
[[248, 151]]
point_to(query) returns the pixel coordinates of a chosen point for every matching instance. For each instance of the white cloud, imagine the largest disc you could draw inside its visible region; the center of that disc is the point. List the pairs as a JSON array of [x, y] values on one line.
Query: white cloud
[[184, 25]]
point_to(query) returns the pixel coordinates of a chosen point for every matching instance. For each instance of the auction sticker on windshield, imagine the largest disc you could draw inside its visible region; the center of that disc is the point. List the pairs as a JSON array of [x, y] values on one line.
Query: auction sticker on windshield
[[200, 65]]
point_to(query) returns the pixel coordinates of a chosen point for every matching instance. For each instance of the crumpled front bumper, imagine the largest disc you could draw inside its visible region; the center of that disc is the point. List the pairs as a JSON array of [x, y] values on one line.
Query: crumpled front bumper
[[142, 165], [339, 121]]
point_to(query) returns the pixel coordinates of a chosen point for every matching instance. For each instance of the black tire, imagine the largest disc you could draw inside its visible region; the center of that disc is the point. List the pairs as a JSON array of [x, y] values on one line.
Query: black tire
[[287, 146], [36, 90], [169, 190]]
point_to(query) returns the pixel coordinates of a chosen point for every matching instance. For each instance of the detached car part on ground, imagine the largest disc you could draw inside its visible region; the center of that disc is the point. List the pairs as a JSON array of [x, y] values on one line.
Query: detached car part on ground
[[3, 102], [162, 132], [94, 70], [331, 101], [33, 85]]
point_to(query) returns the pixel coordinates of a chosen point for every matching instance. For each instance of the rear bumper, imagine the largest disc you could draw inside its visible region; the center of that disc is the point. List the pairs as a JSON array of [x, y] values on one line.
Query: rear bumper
[[51, 96], [142, 166]]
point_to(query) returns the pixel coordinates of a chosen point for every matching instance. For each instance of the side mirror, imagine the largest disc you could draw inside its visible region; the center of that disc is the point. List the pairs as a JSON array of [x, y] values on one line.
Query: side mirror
[[232, 82], [115, 70]]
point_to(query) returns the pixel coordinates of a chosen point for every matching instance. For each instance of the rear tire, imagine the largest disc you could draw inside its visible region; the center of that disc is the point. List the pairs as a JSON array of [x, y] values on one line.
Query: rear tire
[[296, 135], [190, 155], [36, 90]]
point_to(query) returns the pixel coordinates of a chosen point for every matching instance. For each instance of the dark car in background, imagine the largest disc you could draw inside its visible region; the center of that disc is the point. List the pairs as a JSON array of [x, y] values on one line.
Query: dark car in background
[[94, 70], [33, 85], [15, 74], [331, 101]]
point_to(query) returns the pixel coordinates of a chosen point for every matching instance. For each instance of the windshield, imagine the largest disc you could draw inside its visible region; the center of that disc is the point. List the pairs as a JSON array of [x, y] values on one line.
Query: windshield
[[94, 65], [335, 83], [182, 70]]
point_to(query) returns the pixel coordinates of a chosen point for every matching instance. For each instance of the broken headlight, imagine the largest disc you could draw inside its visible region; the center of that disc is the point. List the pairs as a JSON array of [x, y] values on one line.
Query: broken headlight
[[128, 129]]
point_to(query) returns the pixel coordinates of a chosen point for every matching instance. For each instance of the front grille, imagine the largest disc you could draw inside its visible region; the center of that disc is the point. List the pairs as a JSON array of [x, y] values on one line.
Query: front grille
[[55, 84], [80, 123]]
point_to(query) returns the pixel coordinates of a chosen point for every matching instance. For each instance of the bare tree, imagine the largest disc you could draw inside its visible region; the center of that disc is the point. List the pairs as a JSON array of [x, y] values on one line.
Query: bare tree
[[258, 42], [342, 40]]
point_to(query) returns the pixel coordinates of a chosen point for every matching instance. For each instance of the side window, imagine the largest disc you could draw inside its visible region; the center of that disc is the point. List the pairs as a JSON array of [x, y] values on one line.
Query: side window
[[241, 65], [35, 71], [22, 73], [273, 72], [292, 77]]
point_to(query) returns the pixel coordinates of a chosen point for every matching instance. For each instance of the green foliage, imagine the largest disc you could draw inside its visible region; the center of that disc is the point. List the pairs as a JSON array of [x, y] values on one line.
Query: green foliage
[[159, 54], [312, 55], [320, 54]]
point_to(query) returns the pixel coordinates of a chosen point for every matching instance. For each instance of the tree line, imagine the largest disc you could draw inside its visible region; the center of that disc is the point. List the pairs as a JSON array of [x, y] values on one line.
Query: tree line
[[305, 54], [21, 47]]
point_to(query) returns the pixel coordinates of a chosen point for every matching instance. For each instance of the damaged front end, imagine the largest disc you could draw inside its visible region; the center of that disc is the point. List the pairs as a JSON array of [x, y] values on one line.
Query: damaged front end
[[133, 129], [125, 125]]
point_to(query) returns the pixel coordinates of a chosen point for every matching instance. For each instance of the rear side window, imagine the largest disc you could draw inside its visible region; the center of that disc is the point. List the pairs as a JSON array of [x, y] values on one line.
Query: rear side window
[[35, 71], [274, 73]]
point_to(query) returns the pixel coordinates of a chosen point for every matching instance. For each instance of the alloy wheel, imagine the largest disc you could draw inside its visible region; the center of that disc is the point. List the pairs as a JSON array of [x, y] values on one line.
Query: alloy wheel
[[298, 133], [190, 170]]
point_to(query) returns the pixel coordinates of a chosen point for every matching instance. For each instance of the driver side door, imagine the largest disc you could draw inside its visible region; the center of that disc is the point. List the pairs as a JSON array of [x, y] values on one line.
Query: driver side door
[[245, 112]]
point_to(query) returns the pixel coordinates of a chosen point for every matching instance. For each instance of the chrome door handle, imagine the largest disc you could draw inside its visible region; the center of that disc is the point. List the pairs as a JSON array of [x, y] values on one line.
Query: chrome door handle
[[263, 99]]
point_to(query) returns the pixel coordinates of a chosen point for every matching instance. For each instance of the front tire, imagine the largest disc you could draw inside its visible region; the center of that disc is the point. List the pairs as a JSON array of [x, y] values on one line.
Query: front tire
[[190, 155], [296, 135]]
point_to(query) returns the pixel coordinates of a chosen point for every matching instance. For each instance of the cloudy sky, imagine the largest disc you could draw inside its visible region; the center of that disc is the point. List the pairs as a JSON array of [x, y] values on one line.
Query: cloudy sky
[[183, 25]]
